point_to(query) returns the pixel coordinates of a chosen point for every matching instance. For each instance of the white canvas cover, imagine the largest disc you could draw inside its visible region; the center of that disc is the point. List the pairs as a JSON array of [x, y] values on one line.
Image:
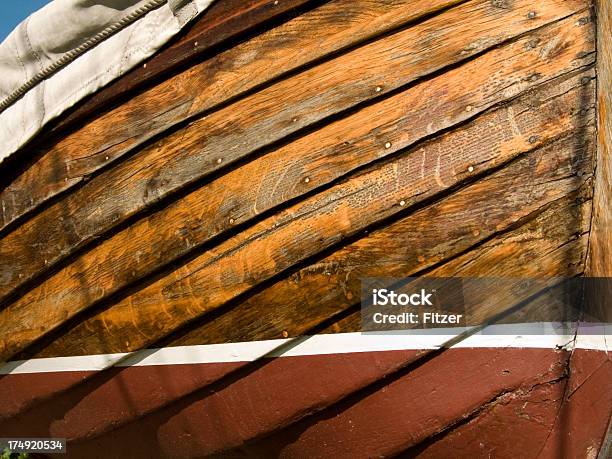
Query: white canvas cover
[[70, 49]]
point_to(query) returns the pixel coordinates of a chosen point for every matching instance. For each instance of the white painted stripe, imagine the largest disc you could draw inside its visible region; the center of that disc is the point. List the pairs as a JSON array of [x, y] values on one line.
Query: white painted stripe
[[539, 335], [77, 363]]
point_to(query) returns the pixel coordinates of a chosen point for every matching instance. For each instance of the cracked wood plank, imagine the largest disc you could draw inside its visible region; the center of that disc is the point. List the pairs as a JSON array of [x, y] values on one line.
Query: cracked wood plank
[[515, 423], [192, 153], [544, 421], [584, 415]]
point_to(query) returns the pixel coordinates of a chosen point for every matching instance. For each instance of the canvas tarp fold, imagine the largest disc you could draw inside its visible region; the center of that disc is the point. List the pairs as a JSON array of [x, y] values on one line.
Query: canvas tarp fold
[[70, 49]]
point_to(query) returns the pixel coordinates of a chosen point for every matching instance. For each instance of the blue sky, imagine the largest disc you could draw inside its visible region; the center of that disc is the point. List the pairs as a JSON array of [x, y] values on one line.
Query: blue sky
[[12, 12]]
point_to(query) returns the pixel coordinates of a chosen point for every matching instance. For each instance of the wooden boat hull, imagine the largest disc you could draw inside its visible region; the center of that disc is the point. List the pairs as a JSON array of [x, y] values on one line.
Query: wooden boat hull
[[182, 254]]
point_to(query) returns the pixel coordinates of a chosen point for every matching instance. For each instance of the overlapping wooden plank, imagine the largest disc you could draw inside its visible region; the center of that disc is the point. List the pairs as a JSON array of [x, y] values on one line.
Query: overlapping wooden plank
[[298, 175], [438, 165], [412, 245], [230, 134], [225, 76], [222, 21], [520, 190], [172, 232]]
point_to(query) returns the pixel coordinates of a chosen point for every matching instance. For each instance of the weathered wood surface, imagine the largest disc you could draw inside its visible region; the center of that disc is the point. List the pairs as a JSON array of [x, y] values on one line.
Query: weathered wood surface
[[534, 119], [254, 122], [336, 212], [306, 39], [224, 20], [411, 246], [118, 259], [600, 256], [600, 244], [521, 193]]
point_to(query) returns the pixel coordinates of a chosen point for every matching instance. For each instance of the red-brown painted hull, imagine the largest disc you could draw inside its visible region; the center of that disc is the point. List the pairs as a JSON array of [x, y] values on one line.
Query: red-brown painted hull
[[467, 402]]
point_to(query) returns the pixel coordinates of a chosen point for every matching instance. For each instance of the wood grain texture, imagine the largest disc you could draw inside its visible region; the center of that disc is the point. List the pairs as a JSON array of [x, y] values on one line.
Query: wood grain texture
[[222, 21], [600, 257], [599, 263], [152, 242], [488, 141], [413, 245], [200, 88], [159, 171]]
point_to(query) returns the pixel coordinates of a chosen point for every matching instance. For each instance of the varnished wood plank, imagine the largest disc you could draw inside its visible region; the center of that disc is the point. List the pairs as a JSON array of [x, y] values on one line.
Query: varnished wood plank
[[222, 21], [172, 232], [143, 182], [410, 246], [438, 164], [202, 87]]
